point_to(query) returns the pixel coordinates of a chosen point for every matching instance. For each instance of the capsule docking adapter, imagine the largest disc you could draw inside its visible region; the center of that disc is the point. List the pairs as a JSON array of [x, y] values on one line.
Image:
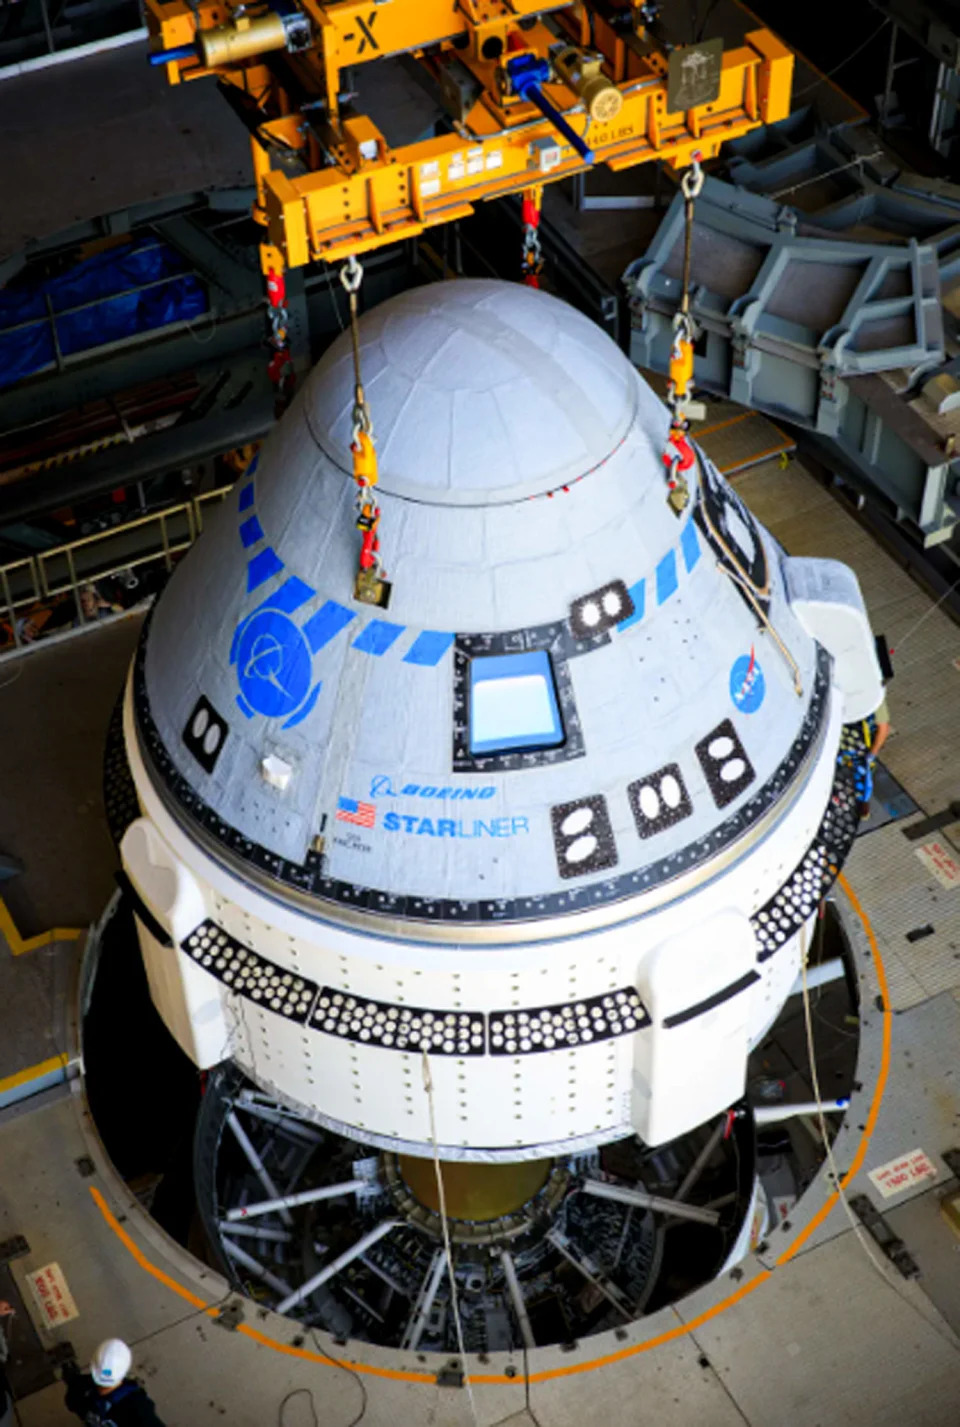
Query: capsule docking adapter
[[566, 815]]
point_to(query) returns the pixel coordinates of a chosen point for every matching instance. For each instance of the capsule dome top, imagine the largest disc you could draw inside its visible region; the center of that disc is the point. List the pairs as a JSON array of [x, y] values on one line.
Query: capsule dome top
[[556, 634], [481, 392]]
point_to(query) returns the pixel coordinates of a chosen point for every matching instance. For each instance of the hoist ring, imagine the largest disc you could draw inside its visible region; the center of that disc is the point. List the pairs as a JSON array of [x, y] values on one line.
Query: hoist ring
[[351, 274], [692, 181]]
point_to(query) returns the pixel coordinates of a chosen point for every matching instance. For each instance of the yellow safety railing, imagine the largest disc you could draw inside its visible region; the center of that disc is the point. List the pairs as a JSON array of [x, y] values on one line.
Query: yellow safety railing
[[64, 570]]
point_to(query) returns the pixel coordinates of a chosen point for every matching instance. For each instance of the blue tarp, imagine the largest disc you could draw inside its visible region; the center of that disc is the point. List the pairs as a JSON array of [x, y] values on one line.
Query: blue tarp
[[100, 281]]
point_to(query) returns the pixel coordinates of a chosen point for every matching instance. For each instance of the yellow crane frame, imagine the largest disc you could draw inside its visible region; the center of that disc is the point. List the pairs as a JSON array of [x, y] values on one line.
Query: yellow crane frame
[[331, 186]]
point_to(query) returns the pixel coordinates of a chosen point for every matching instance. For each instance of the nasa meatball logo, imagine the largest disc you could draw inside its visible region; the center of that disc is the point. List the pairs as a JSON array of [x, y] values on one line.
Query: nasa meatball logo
[[747, 687]]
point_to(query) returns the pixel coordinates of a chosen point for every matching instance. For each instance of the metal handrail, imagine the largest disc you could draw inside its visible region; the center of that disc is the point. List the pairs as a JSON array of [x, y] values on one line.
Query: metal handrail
[[32, 579]]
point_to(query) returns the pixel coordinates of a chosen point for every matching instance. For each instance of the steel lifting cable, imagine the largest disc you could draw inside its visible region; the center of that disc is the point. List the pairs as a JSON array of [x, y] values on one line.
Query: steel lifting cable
[[370, 586], [678, 454]]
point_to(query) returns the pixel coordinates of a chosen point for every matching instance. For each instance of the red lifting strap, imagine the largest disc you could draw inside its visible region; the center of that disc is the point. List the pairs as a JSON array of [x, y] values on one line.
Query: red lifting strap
[[369, 545], [276, 288], [530, 212], [682, 448]]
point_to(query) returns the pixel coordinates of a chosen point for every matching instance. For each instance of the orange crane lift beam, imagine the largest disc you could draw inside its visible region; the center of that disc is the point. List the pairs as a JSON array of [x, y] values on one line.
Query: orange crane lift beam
[[328, 183]]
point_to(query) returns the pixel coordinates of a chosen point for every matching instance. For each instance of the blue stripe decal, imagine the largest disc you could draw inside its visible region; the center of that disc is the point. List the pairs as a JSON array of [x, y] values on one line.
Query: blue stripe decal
[[637, 593], [428, 648], [328, 621], [264, 564], [246, 496], [289, 597], [690, 545], [250, 532], [666, 576], [377, 637]]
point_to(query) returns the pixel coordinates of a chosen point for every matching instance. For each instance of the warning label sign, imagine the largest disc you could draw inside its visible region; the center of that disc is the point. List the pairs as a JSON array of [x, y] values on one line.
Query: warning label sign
[[938, 860], [903, 1173], [52, 1296]]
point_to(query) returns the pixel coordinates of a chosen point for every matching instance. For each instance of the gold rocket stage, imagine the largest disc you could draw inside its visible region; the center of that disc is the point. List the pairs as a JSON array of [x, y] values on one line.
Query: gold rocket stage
[[475, 1192]]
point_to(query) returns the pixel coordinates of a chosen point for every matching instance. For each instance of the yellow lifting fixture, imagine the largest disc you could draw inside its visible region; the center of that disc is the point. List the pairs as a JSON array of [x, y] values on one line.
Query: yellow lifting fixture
[[531, 96]]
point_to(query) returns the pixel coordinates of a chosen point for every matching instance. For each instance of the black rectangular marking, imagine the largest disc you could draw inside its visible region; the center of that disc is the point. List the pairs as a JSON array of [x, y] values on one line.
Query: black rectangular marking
[[600, 610], [205, 734], [724, 761], [680, 1018], [583, 837], [659, 800]]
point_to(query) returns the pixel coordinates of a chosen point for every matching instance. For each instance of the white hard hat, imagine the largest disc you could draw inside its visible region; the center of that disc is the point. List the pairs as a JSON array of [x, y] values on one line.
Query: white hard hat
[[111, 1363]]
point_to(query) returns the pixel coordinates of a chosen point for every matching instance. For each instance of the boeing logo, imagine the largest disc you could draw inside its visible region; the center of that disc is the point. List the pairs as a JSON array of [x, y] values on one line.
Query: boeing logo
[[382, 786]]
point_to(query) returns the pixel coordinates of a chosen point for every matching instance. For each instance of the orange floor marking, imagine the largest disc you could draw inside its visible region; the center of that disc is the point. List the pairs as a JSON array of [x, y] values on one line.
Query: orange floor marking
[[722, 425], [681, 1329]]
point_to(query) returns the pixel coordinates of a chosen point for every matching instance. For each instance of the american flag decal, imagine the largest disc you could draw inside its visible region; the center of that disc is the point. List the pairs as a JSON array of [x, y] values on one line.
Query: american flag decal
[[350, 811]]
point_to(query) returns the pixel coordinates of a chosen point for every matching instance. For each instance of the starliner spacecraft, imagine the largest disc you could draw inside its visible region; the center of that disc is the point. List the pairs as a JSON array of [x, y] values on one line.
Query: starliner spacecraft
[[558, 818]]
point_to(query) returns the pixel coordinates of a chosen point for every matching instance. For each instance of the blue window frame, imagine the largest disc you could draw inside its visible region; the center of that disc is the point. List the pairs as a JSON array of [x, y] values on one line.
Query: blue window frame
[[513, 703]]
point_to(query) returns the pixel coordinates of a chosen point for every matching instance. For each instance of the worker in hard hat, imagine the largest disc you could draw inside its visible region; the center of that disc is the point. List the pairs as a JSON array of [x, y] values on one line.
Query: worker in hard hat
[[105, 1394]]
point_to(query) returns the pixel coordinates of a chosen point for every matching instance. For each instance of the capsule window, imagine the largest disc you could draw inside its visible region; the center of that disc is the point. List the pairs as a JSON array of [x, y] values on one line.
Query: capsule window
[[513, 703]]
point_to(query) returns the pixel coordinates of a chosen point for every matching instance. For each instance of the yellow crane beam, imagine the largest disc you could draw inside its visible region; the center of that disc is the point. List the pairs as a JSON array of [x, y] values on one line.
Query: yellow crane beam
[[328, 182]]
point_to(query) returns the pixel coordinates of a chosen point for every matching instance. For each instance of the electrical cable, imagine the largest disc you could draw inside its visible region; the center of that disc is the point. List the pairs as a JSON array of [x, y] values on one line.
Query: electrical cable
[[298, 1392], [764, 619], [187, 1317], [858, 1229], [448, 1252], [818, 177], [741, 577], [193, 323], [344, 1367], [809, 88], [926, 614]]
